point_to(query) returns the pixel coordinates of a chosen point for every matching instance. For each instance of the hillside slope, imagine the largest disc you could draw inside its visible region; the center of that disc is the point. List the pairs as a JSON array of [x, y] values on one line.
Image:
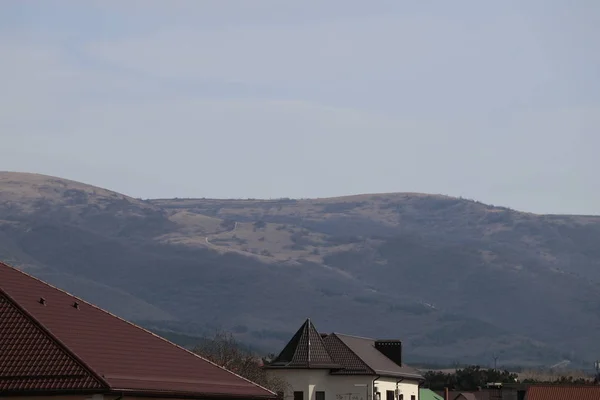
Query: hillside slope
[[457, 280]]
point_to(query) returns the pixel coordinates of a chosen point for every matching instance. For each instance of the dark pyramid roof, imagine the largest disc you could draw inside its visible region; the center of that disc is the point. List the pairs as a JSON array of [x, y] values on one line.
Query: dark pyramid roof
[[342, 354], [305, 350], [53, 342]]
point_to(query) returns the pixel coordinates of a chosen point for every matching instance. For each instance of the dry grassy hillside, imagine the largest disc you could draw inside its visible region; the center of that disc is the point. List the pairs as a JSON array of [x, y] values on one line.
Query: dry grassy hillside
[[455, 279]]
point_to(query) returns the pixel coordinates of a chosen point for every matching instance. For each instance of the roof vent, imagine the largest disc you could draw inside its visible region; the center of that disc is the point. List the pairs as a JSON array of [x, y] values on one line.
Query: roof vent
[[76, 305], [42, 301]]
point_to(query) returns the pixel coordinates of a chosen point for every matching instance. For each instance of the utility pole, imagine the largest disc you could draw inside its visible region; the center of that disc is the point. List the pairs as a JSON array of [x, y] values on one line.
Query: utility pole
[[495, 356]]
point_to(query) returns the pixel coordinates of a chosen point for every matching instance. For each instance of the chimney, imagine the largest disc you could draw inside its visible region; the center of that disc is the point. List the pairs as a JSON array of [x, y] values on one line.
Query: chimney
[[446, 394], [392, 349]]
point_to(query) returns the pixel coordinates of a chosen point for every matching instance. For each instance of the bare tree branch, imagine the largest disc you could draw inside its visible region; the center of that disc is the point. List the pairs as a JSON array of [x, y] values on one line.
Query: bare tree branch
[[224, 350]]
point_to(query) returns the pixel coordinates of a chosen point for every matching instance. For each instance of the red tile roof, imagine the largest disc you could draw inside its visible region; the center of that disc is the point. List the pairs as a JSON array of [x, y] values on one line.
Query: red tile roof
[[560, 392], [53, 345]]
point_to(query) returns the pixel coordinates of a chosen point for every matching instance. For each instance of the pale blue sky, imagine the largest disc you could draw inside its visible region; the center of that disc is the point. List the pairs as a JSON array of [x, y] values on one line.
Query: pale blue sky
[[496, 101]]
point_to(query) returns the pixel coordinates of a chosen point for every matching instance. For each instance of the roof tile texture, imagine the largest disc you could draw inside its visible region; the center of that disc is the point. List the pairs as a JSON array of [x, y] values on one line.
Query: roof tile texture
[[125, 356], [342, 355], [305, 350], [560, 392], [30, 359]]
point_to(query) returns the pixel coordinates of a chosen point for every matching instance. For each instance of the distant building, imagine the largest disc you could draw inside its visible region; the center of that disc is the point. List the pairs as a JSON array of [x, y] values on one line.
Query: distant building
[[54, 345], [343, 367], [528, 392]]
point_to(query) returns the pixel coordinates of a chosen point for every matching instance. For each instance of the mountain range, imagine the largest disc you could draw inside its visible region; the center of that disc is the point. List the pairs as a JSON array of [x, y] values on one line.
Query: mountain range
[[457, 280]]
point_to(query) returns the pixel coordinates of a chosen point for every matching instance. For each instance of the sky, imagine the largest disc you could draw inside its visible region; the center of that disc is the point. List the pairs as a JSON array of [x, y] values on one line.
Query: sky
[[493, 101]]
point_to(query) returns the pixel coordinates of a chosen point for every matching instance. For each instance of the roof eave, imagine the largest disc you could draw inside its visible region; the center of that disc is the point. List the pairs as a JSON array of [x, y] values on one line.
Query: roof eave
[[301, 367], [136, 392], [191, 395], [52, 392], [400, 375]]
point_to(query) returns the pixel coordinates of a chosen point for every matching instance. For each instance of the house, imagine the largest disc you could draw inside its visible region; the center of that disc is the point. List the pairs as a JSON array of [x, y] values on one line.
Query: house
[[53, 344], [343, 367]]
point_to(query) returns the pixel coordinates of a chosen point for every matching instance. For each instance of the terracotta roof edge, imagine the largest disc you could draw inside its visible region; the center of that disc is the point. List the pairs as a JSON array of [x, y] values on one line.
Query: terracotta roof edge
[[124, 320], [185, 394], [53, 337], [205, 359]]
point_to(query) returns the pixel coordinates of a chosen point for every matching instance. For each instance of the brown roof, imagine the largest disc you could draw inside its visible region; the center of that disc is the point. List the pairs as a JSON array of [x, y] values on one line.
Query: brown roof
[[342, 354], [365, 349], [560, 392], [51, 341], [351, 363], [305, 350]]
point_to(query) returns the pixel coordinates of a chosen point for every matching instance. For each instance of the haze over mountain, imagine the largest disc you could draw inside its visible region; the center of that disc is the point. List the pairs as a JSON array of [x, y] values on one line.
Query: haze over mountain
[[455, 279], [497, 101]]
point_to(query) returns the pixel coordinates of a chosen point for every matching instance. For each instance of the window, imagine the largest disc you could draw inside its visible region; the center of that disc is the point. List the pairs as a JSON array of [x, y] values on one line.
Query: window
[[413, 397], [298, 395], [389, 395], [320, 395]]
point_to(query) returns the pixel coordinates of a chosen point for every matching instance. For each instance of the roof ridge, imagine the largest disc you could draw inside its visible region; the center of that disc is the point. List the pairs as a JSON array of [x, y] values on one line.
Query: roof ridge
[[78, 360], [353, 336], [124, 320], [352, 351], [319, 338]]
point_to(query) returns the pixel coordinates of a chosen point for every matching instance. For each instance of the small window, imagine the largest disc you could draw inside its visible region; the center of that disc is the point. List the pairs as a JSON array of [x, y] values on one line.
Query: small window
[[298, 395], [320, 395], [413, 397], [389, 395], [401, 397]]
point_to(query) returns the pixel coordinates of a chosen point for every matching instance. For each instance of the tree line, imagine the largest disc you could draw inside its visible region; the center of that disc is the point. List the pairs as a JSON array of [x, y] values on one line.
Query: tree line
[[473, 377]]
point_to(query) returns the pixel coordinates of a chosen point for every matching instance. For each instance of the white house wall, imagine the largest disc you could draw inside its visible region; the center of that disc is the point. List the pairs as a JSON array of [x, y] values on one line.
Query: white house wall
[[342, 387]]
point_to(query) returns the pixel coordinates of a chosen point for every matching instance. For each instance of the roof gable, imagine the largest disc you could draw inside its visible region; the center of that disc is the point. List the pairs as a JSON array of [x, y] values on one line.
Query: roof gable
[[305, 350], [365, 349], [125, 356], [33, 360], [350, 363]]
